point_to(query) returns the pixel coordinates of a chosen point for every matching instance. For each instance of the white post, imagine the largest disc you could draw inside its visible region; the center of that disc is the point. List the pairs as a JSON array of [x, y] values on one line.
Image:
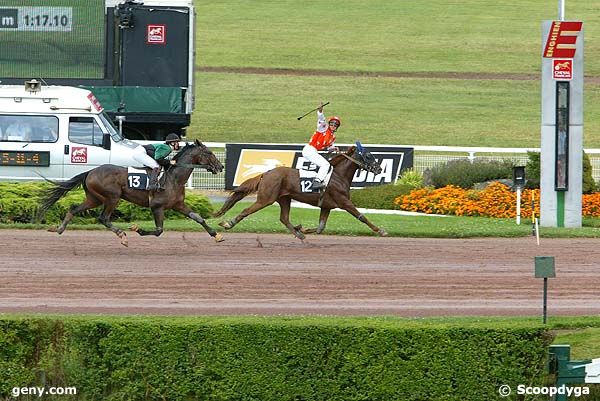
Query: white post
[[518, 205], [561, 10]]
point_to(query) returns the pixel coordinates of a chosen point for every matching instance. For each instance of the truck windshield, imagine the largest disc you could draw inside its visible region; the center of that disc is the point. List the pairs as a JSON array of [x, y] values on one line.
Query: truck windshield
[[112, 130]]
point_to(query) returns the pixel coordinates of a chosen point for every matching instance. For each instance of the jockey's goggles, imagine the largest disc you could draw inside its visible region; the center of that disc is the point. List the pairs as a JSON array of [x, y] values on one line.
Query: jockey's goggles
[[334, 124]]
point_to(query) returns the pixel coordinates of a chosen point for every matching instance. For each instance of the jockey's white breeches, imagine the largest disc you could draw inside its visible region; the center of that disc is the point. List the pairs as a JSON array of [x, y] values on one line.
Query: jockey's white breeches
[[311, 154], [140, 156]]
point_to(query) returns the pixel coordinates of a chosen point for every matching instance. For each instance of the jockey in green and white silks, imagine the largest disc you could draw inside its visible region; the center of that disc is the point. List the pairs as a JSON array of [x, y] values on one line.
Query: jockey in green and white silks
[[154, 156]]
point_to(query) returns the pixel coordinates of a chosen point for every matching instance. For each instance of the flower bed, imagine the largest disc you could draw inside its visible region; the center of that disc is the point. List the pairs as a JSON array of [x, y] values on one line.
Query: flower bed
[[497, 200]]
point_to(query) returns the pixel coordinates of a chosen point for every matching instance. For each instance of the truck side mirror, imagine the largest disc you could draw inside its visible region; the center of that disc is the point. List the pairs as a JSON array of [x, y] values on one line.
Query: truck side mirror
[[106, 142]]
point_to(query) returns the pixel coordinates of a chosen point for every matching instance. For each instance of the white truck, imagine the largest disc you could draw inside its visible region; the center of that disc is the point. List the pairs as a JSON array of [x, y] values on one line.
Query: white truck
[[137, 57], [56, 132]]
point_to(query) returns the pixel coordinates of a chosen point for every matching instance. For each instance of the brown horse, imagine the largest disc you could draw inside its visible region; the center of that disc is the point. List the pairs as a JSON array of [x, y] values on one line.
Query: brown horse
[[107, 184], [282, 184]]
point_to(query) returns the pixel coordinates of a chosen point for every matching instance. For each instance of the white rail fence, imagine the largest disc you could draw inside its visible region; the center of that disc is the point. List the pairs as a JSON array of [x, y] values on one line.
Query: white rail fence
[[424, 157]]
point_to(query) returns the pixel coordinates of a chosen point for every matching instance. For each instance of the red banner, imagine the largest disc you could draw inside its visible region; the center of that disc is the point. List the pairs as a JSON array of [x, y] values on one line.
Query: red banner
[[561, 39]]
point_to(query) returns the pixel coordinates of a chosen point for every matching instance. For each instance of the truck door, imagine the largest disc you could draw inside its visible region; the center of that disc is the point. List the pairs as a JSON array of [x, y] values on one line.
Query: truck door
[[84, 149], [155, 47]]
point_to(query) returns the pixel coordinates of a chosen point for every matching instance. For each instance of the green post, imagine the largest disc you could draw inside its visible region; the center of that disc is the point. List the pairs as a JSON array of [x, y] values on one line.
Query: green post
[[545, 312], [558, 356], [544, 268], [566, 372], [560, 208]]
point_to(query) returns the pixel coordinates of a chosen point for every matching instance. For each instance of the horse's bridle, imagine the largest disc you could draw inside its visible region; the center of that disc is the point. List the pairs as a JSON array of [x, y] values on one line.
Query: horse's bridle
[[189, 165], [186, 165], [359, 163]]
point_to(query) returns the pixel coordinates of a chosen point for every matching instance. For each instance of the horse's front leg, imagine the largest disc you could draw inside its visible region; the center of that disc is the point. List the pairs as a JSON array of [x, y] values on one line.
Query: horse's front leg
[[323, 220], [105, 219], [284, 217], [183, 209], [159, 218], [350, 208], [324, 215]]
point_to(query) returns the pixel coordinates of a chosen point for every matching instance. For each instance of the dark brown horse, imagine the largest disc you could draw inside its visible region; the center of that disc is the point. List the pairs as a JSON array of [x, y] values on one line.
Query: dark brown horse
[[107, 184], [282, 184]]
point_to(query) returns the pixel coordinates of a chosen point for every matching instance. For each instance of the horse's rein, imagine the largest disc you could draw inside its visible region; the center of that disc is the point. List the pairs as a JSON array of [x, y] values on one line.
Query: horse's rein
[[361, 165], [186, 165]]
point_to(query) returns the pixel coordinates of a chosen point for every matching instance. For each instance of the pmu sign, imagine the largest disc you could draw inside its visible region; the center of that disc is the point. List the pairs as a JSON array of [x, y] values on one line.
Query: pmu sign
[[245, 161]]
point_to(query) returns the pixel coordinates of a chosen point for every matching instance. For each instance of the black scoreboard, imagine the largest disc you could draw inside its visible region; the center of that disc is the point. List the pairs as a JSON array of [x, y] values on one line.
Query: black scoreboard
[[24, 158]]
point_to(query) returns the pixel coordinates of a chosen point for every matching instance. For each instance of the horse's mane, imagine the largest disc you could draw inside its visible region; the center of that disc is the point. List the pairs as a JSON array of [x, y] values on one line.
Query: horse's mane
[[187, 147], [339, 158]]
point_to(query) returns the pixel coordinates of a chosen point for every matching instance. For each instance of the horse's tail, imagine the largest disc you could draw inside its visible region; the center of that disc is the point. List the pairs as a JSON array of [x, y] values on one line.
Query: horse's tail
[[57, 191], [249, 186]]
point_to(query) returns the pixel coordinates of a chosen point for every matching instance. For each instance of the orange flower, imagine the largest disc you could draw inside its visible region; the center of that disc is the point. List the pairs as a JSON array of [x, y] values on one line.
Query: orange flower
[[497, 200]]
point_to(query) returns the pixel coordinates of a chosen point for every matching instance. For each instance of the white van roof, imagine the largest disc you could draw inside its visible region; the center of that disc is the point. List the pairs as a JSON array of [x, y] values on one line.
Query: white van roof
[[48, 99]]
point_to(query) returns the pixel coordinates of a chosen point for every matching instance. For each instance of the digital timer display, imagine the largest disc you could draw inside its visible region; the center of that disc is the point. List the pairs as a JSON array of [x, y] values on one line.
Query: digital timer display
[[63, 39], [24, 158], [37, 19]]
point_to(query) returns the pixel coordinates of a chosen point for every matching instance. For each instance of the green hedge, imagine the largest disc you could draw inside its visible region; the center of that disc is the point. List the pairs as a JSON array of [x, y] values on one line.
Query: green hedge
[[465, 173], [378, 196], [19, 203], [278, 359]]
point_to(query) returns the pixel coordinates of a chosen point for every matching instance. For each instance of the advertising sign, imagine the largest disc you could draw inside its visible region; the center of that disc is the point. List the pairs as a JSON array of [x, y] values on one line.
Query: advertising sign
[[245, 161], [156, 34], [562, 69]]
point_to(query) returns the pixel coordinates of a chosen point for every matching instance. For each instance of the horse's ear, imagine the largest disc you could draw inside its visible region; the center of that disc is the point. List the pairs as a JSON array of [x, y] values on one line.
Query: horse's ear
[[197, 142], [351, 150]]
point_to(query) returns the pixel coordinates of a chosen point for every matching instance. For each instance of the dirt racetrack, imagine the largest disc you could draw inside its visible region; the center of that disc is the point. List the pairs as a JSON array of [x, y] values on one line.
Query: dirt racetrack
[[188, 273]]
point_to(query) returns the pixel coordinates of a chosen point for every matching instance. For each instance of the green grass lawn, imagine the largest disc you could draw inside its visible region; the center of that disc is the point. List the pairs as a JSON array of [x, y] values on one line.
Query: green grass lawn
[[342, 223], [383, 35], [472, 36], [402, 111]]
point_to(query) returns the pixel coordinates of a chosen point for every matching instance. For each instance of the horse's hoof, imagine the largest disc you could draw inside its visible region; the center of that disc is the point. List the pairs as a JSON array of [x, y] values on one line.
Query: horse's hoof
[[219, 237], [382, 233], [124, 240], [225, 225], [134, 227], [300, 236]]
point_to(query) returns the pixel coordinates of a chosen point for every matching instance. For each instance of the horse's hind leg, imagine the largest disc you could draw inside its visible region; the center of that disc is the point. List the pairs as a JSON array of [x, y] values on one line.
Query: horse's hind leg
[[284, 217], [255, 207], [104, 218], [88, 203], [198, 219]]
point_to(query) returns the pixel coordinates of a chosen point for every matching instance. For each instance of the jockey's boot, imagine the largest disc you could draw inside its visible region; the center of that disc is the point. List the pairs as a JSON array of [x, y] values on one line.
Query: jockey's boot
[[318, 184], [153, 184]]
